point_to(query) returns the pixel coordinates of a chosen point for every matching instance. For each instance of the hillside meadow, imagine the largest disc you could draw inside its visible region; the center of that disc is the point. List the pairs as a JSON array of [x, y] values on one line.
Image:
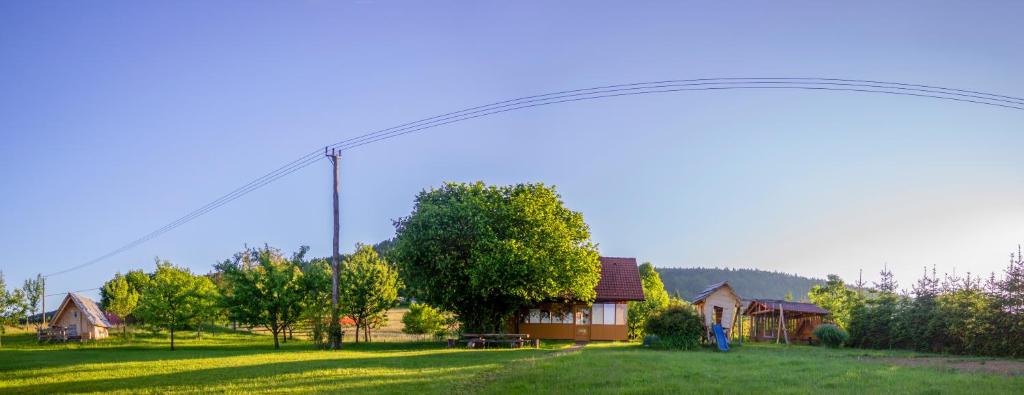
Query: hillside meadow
[[231, 362]]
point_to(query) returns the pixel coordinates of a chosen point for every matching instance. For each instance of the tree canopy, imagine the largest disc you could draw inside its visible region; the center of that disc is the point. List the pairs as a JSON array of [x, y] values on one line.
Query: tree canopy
[[368, 288], [482, 252], [119, 297], [835, 297], [655, 299], [174, 298], [12, 306], [264, 289]]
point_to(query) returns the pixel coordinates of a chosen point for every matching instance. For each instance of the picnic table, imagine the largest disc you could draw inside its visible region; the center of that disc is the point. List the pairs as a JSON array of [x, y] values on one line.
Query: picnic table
[[57, 333], [481, 340]]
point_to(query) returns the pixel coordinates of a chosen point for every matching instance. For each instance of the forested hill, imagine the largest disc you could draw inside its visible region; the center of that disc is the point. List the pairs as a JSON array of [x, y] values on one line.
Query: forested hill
[[749, 283]]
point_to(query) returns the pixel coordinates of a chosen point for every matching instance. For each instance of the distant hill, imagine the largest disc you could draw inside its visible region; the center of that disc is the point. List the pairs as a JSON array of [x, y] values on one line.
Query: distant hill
[[749, 283]]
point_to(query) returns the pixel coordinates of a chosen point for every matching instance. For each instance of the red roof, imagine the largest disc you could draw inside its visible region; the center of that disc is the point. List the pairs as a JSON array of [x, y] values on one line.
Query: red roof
[[620, 280]]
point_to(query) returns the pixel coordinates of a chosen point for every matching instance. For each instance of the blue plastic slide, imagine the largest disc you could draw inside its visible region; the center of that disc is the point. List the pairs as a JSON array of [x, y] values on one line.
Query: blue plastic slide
[[723, 343]]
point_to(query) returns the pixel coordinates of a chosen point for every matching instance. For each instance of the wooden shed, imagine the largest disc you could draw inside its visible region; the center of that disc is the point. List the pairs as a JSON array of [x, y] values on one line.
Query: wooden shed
[[783, 321], [79, 318], [718, 304], [604, 319]]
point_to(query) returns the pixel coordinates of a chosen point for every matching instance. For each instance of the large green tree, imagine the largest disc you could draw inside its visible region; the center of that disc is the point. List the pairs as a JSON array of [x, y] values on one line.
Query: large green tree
[[368, 288], [175, 299], [483, 252], [835, 297], [119, 297], [655, 299], [266, 289]]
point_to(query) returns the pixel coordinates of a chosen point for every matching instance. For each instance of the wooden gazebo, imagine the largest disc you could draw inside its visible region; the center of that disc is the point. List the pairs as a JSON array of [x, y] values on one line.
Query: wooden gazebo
[[783, 321]]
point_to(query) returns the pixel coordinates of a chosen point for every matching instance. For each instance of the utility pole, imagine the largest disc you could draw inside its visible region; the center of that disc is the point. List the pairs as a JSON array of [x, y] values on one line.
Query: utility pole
[[334, 330], [43, 297]]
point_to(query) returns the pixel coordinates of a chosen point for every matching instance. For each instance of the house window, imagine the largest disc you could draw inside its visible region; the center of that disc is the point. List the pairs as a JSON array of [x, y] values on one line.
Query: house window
[[545, 317], [609, 314], [533, 317]]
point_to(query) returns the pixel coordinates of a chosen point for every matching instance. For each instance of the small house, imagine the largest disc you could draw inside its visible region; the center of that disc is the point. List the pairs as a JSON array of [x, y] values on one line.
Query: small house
[[604, 319], [79, 318], [718, 304], [783, 321]]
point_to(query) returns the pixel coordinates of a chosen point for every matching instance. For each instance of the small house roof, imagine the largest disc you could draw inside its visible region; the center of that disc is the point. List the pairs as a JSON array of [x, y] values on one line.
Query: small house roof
[[620, 280], [711, 289], [787, 306], [89, 309]]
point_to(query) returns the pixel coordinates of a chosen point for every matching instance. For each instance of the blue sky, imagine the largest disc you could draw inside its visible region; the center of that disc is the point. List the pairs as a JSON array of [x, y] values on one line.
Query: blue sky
[[117, 118]]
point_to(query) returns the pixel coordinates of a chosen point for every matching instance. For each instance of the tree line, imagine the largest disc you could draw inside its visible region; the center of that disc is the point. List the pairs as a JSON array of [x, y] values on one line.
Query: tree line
[[16, 306], [753, 283], [959, 314], [257, 287]]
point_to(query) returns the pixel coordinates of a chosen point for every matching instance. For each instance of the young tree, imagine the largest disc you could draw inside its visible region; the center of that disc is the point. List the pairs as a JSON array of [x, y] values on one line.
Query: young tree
[[265, 290], [836, 298], [917, 327], [12, 306], [368, 288], [655, 299], [207, 303], [119, 297], [483, 252], [1009, 297], [174, 298], [316, 281], [33, 291], [423, 319], [872, 325]]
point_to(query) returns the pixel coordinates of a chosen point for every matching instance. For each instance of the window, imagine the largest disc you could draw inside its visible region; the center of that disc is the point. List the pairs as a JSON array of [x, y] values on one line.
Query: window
[[609, 314], [560, 317], [545, 317], [533, 317], [582, 315]]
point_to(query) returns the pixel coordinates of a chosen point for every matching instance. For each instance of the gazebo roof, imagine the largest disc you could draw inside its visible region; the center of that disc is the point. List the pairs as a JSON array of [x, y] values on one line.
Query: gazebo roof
[[786, 306]]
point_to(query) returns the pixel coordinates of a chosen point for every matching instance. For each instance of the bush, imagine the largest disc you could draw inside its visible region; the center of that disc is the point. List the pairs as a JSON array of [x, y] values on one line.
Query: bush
[[831, 335], [676, 327], [423, 319]]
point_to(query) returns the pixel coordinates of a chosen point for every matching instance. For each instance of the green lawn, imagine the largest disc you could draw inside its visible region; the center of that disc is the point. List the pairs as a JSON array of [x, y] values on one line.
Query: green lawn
[[234, 362]]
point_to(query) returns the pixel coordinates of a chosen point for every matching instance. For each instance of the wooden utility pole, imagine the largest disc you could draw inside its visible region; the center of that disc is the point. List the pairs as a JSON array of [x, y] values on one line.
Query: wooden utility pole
[[43, 297], [334, 329]]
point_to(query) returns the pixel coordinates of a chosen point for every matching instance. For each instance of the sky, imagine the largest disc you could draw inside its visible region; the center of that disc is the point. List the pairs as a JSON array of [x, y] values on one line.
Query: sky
[[117, 118]]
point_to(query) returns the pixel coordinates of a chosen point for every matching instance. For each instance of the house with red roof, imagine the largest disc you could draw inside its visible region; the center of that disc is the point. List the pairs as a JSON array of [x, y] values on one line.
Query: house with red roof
[[604, 319]]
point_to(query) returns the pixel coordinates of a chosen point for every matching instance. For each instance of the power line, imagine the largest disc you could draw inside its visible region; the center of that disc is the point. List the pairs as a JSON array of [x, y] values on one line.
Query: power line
[[65, 293], [567, 96], [373, 137]]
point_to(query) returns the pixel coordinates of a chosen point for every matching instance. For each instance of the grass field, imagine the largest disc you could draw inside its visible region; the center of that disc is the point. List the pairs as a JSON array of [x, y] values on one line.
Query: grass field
[[240, 362]]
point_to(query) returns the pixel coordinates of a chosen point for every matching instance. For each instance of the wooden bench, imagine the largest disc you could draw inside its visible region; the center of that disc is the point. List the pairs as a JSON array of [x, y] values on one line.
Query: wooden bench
[[56, 333], [481, 340]]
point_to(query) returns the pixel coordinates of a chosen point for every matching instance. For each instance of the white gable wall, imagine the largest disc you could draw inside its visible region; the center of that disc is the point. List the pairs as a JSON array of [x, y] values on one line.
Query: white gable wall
[[725, 299]]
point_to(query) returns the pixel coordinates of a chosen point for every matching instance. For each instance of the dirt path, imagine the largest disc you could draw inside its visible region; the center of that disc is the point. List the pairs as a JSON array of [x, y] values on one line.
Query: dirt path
[[575, 347], [969, 365]]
